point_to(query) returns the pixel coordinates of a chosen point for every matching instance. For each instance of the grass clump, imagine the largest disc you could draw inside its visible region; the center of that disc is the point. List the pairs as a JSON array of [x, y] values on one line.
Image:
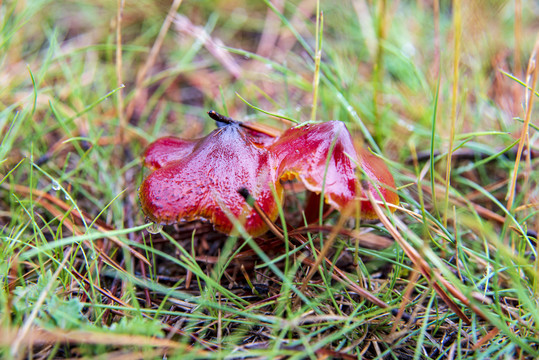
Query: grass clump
[[443, 91]]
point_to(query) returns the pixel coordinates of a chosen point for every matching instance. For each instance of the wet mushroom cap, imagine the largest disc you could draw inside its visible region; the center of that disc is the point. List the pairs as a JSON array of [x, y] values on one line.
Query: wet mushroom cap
[[166, 150], [323, 157], [318, 154], [204, 183]]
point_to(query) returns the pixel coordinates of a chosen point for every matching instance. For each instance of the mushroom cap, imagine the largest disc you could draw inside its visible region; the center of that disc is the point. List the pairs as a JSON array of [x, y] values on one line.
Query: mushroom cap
[[316, 153], [166, 150], [204, 183], [323, 157]]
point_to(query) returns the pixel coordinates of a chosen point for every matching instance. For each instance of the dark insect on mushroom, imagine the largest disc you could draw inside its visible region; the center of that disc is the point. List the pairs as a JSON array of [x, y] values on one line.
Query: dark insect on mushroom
[[199, 179]]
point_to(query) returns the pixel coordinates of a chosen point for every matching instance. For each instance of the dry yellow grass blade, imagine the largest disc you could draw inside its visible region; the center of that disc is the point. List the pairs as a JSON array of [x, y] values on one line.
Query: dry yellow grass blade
[[38, 336], [457, 25], [531, 75]]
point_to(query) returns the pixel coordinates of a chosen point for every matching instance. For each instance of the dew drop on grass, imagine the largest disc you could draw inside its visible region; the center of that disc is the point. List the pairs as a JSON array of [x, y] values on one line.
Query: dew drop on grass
[[154, 228], [55, 185]]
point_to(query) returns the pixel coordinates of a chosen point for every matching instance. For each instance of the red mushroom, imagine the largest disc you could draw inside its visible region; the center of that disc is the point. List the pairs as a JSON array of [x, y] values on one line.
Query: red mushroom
[[200, 179], [323, 156]]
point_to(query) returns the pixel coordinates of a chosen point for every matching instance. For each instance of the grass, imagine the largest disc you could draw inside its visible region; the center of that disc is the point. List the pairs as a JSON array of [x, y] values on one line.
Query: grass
[[453, 273]]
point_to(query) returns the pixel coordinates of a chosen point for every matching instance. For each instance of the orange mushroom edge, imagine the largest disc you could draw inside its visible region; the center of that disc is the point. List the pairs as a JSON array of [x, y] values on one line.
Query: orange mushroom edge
[[199, 179]]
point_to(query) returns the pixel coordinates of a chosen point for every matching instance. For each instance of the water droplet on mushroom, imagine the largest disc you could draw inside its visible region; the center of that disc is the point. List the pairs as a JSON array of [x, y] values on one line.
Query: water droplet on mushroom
[[154, 228], [55, 185]]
